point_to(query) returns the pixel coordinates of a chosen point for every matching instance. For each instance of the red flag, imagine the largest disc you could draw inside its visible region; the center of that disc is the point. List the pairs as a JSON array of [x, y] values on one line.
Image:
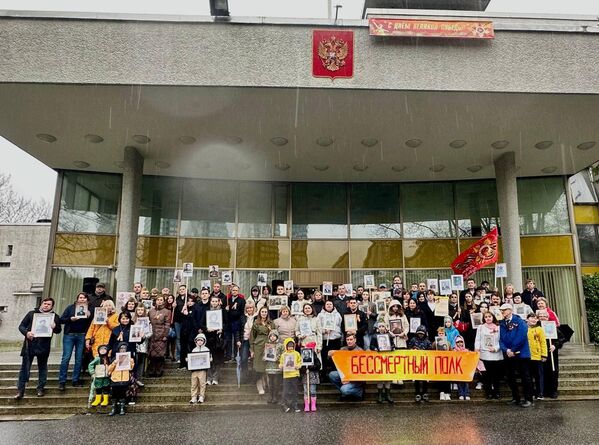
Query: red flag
[[332, 53], [478, 255]]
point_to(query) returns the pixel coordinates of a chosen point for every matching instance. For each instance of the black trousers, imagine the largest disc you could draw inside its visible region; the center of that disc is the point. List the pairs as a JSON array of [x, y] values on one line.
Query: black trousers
[[492, 377], [519, 366]]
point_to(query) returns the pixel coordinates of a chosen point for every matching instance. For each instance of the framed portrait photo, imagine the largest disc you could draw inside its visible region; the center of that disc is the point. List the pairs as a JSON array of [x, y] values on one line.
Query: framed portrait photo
[[432, 284], [122, 298], [100, 315], [123, 361], [363, 307], [369, 282], [213, 271], [305, 327], [384, 342], [227, 277], [307, 357], [550, 328], [520, 310], [81, 310], [457, 282], [442, 307], [147, 304], [178, 276], [198, 360], [445, 287], [328, 322], [288, 362], [275, 302], [395, 327], [42, 324], [414, 323], [296, 308], [381, 306], [270, 352], [327, 288], [288, 285], [477, 319], [262, 279], [136, 333], [488, 342], [349, 289], [100, 371], [144, 322], [351, 322], [206, 284], [187, 270], [441, 343], [500, 270], [214, 320]]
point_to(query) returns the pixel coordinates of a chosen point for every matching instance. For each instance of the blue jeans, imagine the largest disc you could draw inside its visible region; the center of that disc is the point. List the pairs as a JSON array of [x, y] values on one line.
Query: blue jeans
[[350, 389], [463, 389], [367, 338], [178, 331], [70, 342], [24, 373]]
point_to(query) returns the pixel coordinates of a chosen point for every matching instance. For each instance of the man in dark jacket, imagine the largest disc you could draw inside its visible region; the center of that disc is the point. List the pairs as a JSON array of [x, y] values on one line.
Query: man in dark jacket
[[36, 347], [98, 297], [531, 294], [75, 328], [513, 341], [362, 320], [340, 301], [180, 303], [235, 308]]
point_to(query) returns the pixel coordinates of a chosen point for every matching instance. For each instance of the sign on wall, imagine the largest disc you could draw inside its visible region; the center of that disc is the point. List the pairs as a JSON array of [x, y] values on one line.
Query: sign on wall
[[460, 29], [332, 53]]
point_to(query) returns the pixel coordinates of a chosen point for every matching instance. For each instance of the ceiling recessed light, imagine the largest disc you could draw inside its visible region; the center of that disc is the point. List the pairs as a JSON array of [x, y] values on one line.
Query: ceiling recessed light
[[325, 141], [369, 142], [437, 168], [544, 145], [93, 138], [321, 168], [586, 145], [360, 167], [413, 143], [549, 169], [81, 164], [498, 145], [279, 141], [233, 140], [162, 164], [474, 168], [398, 168], [282, 166], [141, 139], [187, 140], [46, 137], [119, 164], [458, 143]]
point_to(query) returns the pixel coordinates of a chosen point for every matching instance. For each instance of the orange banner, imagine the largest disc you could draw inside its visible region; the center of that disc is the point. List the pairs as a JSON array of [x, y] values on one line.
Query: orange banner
[[431, 28], [365, 366]]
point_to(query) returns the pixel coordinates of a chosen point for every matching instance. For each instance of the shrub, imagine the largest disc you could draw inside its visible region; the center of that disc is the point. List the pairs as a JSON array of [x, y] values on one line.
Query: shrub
[[590, 285]]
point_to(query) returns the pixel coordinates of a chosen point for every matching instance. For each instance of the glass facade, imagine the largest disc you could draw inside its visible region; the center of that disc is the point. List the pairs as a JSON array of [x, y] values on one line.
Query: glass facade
[[542, 206], [588, 240]]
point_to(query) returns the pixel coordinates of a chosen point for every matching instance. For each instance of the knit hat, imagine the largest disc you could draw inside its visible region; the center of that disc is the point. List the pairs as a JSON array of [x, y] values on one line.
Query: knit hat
[[200, 337], [421, 330]]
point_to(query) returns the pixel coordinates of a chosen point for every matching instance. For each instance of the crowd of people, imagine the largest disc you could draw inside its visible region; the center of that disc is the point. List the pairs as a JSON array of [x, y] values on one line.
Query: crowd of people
[[281, 350]]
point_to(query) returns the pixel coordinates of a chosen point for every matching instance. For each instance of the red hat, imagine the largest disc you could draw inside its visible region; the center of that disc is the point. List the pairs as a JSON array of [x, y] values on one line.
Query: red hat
[[311, 345]]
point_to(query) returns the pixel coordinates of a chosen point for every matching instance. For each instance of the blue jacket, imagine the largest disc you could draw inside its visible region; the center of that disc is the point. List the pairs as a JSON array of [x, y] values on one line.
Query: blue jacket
[[514, 336]]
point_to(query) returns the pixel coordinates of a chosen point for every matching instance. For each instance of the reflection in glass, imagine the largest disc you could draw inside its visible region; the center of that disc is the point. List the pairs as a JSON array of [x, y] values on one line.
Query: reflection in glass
[[89, 202], [374, 211], [476, 207], [319, 254], [208, 209], [159, 209], [248, 278], [263, 253], [280, 197], [92, 250], [319, 211], [588, 239], [428, 210], [542, 206], [156, 252], [429, 253], [376, 253], [66, 282], [255, 210]]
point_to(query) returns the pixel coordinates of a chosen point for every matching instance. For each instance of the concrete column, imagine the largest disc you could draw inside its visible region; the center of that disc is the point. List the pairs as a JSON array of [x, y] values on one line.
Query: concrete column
[[507, 198], [129, 218]]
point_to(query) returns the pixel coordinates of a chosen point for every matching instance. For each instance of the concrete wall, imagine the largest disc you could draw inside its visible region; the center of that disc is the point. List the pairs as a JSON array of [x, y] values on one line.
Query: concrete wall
[[27, 268], [201, 53]]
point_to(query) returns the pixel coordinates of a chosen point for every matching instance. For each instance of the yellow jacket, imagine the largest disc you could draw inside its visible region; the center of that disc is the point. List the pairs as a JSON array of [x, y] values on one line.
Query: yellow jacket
[[120, 376], [297, 361], [537, 343], [101, 332]]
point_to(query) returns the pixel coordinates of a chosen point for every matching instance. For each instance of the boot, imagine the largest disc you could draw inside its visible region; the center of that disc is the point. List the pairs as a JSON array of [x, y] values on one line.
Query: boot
[[113, 411], [122, 408], [97, 400], [379, 398], [260, 386], [306, 404], [313, 407], [388, 396], [104, 400]]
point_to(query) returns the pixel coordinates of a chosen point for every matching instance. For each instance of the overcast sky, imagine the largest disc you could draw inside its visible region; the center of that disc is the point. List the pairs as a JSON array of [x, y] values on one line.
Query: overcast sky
[[33, 179]]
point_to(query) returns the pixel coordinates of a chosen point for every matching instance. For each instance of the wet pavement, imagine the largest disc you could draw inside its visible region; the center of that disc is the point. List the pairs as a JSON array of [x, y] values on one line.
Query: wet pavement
[[451, 423]]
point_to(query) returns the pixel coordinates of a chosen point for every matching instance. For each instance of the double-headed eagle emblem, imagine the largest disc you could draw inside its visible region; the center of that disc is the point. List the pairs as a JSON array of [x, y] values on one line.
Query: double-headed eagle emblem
[[332, 53]]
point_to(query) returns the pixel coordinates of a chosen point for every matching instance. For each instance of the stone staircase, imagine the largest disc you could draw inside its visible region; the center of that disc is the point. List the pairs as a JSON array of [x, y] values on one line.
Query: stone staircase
[[579, 380]]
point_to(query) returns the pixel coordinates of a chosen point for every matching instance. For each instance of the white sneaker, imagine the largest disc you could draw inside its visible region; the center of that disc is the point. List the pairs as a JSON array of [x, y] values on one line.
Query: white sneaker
[[193, 400], [447, 396], [201, 399], [467, 397], [215, 382], [454, 386], [461, 397], [479, 385], [261, 392], [442, 396], [208, 382]]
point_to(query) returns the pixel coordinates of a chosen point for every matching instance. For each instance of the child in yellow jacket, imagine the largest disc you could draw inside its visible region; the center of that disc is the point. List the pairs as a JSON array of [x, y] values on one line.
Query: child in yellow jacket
[[119, 380], [290, 362], [538, 353]]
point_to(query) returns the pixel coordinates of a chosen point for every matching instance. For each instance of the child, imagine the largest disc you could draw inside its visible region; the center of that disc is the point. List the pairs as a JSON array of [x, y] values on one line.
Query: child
[[451, 333], [198, 377], [142, 346], [377, 345], [463, 387], [100, 385], [442, 344], [119, 382], [420, 342], [311, 378], [273, 372], [538, 353], [290, 363]]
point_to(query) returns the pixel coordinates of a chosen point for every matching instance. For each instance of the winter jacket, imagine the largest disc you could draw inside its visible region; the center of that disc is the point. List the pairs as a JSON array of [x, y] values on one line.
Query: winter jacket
[[451, 333], [120, 334], [513, 335], [400, 340], [318, 306], [286, 326], [480, 345], [296, 357], [99, 334], [119, 378], [79, 326], [143, 346], [316, 336], [420, 342], [99, 382], [38, 346], [537, 343], [333, 334]]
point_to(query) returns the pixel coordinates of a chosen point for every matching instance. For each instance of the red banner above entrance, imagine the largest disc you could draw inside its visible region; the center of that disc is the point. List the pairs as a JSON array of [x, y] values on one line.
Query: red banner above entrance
[[460, 29]]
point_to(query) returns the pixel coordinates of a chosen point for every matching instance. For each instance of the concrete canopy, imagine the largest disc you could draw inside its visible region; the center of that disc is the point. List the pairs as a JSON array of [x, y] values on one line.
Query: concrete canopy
[[301, 134]]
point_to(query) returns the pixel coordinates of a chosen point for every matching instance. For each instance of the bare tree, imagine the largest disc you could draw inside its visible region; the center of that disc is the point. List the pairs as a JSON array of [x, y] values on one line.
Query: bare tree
[[18, 209]]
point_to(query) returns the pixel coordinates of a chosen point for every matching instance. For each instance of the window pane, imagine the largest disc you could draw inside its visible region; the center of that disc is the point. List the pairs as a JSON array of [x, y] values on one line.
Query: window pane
[[588, 239], [89, 202], [66, 282], [428, 210], [374, 211], [319, 211], [255, 211], [280, 194], [476, 207], [208, 209], [377, 253], [159, 210], [92, 250], [542, 206], [319, 254], [248, 278]]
